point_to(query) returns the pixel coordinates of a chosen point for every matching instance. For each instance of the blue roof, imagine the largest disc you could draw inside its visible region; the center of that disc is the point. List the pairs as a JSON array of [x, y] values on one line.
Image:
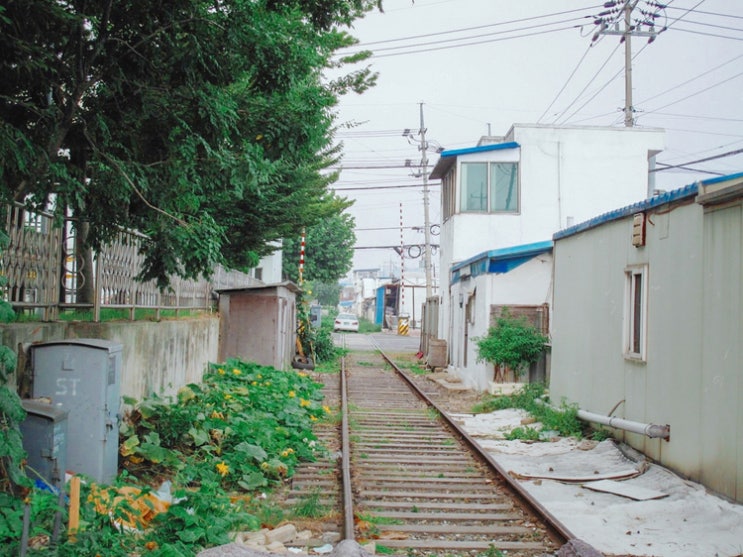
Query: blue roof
[[499, 261], [480, 149], [644, 205], [448, 158]]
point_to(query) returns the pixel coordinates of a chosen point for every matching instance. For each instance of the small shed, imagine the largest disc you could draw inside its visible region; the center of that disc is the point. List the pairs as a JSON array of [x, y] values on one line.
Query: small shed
[[258, 324]]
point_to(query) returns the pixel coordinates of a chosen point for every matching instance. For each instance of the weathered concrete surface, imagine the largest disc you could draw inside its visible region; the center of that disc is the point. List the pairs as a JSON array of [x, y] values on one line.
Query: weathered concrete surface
[[157, 357]]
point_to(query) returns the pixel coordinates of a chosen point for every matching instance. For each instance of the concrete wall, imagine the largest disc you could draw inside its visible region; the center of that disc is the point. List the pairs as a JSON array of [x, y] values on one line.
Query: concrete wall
[[691, 377], [157, 357]]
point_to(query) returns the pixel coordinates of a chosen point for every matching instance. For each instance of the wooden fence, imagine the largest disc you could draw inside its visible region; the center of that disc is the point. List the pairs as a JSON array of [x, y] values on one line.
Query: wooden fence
[[46, 273]]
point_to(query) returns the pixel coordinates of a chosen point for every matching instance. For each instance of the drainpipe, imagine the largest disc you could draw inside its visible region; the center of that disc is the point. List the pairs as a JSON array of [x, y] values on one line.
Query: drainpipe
[[650, 430]]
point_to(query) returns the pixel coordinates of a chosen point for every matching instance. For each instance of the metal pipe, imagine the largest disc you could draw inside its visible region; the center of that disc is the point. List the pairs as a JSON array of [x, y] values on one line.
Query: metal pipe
[[650, 430]]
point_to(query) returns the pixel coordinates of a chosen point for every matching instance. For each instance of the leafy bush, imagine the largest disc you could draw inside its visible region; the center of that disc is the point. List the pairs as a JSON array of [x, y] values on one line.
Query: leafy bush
[[511, 342], [245, 427]]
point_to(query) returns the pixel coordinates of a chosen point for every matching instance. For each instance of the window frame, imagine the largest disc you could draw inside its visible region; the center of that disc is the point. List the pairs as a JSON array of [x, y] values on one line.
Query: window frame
[[635, 312], [490, 166]]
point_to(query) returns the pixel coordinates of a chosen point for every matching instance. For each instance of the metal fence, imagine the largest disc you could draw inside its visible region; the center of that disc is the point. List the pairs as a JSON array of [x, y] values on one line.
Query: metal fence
[[47, 273]]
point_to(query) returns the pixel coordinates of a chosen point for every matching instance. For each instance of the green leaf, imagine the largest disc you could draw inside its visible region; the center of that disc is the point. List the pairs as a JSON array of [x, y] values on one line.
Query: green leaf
[[199, 436], [192, 535], [253, 451]]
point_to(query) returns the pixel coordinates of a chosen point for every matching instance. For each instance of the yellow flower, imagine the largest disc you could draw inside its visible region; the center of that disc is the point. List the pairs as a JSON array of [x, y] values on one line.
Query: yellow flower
[[216, 415], [304, 403], [223, 469], [227, 396], [326, 409], [264, 466], [259, 376], [301, 374], [284, 453], [292, 394], [220, 371], [313, 418], [236, 371], [254, 383]]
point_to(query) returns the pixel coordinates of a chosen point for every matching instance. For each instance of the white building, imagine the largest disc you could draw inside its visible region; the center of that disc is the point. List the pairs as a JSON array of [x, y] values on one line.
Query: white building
[[648, 321], [515, 191]]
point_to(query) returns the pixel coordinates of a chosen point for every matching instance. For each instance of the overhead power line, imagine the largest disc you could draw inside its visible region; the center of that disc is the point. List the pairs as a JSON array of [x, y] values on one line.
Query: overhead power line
[[706, 159], [473, 43], [521, 20], [414, 48], [708, 34], [370, 188]]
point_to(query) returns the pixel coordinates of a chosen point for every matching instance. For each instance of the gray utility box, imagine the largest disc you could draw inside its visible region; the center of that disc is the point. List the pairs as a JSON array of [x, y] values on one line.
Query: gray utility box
[[83, 376], [45, 440]]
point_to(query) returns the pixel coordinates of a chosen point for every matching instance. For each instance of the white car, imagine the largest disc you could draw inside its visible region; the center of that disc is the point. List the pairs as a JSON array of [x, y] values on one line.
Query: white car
[[346, 322]]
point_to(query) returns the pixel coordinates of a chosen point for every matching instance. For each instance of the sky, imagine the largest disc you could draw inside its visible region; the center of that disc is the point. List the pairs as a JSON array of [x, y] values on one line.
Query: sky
[[479, 66]]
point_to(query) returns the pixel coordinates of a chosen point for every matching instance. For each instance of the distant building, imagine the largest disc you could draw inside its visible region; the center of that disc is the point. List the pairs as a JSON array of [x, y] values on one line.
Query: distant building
[[503, 199]]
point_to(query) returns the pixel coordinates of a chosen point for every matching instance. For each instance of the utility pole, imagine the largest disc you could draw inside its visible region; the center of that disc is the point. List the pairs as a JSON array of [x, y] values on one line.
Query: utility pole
[[608, 22], [423, 172], [426, 214], [629, 109]]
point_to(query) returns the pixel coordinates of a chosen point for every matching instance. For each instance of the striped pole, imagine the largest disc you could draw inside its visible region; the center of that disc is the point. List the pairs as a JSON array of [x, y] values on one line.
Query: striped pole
[[402, 266], [402, 322], [301, 258]]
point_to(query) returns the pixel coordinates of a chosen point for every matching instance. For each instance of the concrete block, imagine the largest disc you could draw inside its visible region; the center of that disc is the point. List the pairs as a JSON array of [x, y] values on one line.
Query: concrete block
[[281, 534]]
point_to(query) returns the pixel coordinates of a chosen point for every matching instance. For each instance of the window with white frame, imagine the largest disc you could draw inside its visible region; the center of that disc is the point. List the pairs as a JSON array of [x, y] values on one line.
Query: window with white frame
[[635, 330], [489, 187]]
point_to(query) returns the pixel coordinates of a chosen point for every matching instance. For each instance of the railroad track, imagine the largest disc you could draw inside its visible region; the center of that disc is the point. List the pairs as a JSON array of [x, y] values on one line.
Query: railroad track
[[408, 478]]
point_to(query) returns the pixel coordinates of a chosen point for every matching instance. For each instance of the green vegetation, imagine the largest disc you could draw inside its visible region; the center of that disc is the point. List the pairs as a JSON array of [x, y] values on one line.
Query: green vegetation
[[13, 481], [531, 397], [511, 342], [329, 247], [366, 326], [316, 341], [309, 506], [112, 314], [219, 443]]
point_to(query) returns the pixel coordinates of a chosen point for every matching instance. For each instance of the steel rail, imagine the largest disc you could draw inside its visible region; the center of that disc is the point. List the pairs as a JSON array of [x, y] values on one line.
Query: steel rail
[[348, 515], [558, 531]]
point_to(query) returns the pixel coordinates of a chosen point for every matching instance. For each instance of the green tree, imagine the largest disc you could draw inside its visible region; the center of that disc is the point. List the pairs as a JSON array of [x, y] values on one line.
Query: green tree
[[12, 455], [328, 250], [205, 125], [328, 294]]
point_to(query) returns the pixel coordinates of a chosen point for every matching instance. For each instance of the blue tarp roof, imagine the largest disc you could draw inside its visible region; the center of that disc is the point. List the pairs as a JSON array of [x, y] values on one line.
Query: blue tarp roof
[[498, 261]]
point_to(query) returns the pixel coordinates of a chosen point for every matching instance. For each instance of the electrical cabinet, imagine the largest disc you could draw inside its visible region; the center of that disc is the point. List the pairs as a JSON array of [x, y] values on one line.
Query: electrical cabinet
[[45, 440], [83, 377]]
